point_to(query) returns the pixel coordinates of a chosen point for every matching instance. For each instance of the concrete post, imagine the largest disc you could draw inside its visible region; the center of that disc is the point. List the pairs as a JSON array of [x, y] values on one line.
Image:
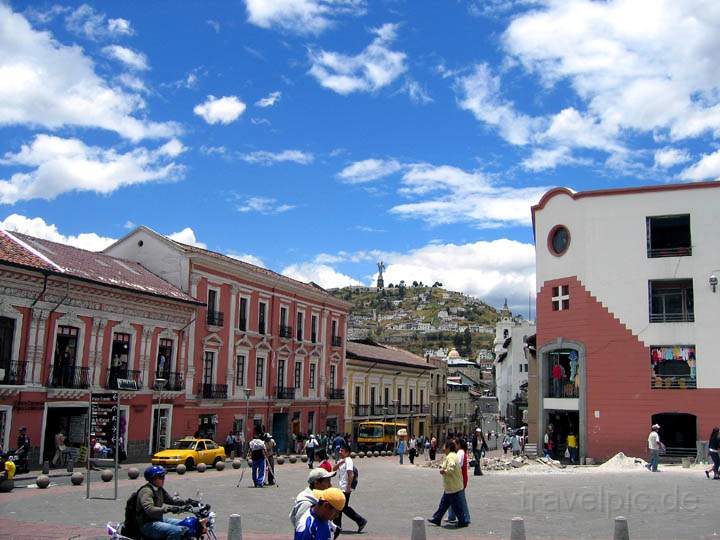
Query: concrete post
[[46, 467], [621, 529], [418, 529], [234, 528], [517, 529]]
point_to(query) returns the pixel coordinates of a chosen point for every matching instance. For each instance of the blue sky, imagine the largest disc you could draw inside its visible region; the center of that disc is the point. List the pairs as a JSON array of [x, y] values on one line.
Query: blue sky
[[316, 137]]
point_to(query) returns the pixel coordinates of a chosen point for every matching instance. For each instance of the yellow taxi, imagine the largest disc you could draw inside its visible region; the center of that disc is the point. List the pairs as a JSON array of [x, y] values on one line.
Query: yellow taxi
[[190, 452]]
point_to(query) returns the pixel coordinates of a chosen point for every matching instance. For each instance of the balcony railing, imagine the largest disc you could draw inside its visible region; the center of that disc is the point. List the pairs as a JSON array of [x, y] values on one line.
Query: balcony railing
[[123, 373], [13, 373], [669, 252], [285, 331], [215, 318], [563, 390], [69, 377], [175, 381], [437, 420], [285, 392], [336, 341], [672, 317], [673, 382], [336, 393], [214, 391]]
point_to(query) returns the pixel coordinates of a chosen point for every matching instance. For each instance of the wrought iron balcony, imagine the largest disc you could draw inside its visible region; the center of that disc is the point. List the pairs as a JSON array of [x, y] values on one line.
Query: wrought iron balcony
[[13, 373], [215, 318], [285, 392], [175, 381], [687, 316], [69, 377], [214, 391], [336, 393], [439, 420], [285, 331], [336, 341], [669, 252], [123, 373]]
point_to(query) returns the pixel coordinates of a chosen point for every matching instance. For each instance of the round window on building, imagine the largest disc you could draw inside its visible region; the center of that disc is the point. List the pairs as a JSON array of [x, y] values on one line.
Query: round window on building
[[559, 239]]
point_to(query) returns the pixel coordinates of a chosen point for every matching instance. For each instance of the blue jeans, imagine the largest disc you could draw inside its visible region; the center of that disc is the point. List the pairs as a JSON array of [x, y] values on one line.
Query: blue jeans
[[167, 529], [401, 456], [258, 472], [654, 456], [450, 500], [466, 511]]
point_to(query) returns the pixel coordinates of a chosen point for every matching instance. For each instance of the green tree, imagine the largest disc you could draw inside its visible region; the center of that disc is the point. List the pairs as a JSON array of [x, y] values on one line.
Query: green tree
[[467, 343], [458, 342]]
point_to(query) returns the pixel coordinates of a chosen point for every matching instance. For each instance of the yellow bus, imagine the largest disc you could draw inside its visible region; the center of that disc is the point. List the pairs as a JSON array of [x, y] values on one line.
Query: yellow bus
[[378, 435]]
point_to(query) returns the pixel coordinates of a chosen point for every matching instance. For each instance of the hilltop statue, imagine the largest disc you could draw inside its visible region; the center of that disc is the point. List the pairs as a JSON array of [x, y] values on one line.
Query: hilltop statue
[[380, 280]]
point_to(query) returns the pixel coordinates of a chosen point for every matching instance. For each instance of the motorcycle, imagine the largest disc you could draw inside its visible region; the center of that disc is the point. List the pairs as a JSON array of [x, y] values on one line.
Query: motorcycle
[[200, 525]]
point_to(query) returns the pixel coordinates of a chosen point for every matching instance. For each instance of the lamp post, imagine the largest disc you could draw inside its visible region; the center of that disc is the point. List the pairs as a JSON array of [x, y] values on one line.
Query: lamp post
[[159, 386], [449, 411], [396, 403], [247, 391]]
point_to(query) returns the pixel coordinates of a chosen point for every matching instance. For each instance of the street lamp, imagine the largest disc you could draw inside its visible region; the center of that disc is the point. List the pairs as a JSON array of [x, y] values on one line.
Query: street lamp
[[449, 411], [247, 391], [159, 386]]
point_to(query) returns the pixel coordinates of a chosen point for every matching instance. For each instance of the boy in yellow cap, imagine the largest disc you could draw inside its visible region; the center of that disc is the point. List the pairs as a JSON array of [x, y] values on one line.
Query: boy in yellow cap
[[316, 523]]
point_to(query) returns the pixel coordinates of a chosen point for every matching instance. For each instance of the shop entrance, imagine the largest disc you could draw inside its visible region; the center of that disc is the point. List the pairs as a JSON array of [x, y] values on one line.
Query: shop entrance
[[208, 426], [280, 430], [562, 423], [678, 432], [72, 422], [161, 428]]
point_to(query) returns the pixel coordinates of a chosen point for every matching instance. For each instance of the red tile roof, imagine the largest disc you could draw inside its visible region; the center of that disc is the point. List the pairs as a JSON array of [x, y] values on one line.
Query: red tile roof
[[28, 251], [384, 354]]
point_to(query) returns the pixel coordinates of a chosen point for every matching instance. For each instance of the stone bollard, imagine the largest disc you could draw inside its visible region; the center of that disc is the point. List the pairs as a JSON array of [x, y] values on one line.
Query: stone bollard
[[77, 478], [220, 466], [181, 469], [237, 463], [418, 529], [234, 528], [42, 481], [280, 460], [133, 473], [106, 475], [201, 467], [46, 467], [621, 529], [517, 529]]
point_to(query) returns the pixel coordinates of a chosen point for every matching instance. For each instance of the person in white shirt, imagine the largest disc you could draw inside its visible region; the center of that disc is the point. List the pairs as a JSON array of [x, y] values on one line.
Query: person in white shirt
[[654, 445], [412, 449], [346, 474]]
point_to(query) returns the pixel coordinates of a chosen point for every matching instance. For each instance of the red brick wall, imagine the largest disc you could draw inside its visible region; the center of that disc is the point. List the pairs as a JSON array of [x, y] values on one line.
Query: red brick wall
[[618, 375]]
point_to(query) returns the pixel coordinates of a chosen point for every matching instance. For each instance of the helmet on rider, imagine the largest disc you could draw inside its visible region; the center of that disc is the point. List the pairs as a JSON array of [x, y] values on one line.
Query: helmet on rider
[[154, 471]]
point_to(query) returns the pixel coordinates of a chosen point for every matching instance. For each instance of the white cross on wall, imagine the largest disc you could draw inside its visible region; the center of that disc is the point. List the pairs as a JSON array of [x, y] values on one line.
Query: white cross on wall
[[563, 294]]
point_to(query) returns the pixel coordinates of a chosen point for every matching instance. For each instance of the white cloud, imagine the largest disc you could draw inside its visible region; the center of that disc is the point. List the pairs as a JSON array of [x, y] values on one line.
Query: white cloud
[[248, 258], [87, 22], [270, 100], [61, 165], [707, 168], [129, 224], [264, 205], [489, 270], [132, 59], [667, 157], [416, 92], [637, 65], [368, 170], [372, 69], [452, 195], [132, 82], [480, 94], [266, 158], [301, 16], [550, 158], [187, 236], [224, 110], [44, 83], [214, 24], [322, 274], [39, 228]]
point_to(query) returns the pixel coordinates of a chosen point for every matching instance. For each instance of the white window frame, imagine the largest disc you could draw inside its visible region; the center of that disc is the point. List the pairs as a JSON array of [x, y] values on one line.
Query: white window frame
[[260, 390], [151, 441], [216, 357], [5, 437], [316, 316], [300, 388], [312, 378], [19, 320], [244, 369], [173, 359], [218, 300], [300, 325], [246, 314], [75, 322]]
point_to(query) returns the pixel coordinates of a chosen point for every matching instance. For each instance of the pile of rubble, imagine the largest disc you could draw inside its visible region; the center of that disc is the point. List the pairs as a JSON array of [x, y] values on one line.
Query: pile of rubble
[[504, 463]]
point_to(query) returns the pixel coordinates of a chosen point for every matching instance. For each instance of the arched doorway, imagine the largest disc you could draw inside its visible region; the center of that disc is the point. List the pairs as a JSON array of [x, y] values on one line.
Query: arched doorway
[[678, 432]]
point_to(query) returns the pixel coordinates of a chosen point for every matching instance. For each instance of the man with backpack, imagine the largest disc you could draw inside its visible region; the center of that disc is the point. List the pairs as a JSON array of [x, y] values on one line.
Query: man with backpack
[[145, 509], [347, 482], [258, 453]]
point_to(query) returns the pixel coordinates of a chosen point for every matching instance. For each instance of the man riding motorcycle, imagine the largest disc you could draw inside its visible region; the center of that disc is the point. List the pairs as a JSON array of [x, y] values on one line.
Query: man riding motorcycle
[[152, 503]]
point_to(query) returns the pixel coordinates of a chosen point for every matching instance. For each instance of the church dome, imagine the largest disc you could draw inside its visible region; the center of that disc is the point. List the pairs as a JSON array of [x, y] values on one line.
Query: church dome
[[453, 353]]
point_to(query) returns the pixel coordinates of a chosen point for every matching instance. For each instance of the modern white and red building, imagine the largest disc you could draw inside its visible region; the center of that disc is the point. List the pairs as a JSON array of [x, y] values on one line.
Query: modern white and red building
[[628, 307], [265, 352], [75, 321]]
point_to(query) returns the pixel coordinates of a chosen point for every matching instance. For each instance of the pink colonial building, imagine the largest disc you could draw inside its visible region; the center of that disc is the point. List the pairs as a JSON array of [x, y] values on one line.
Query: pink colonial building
[[72, 321], [265, 352]]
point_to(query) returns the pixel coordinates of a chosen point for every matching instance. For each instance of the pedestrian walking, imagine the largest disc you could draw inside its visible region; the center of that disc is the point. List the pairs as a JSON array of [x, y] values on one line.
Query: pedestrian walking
[[310, 445], [229, 443], [317, 521], [318, 479], [322, 457], [412, 449], [713, 452], [572, 446], [338, 441], [426, 450], [257, 457], [462, 455], [452, 486], [347, 482], [433, 449], [22, 451], [270, 456], [401, 449], [477, 448], [654, 445], [516, 446]]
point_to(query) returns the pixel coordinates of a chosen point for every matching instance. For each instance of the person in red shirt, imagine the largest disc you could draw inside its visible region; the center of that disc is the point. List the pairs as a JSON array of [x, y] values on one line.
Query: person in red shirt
[[324, 460], [557, 375]]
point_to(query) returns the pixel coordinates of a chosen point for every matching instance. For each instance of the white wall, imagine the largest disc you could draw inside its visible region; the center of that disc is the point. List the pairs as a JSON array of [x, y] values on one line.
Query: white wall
[[608, 253], [508, 377]]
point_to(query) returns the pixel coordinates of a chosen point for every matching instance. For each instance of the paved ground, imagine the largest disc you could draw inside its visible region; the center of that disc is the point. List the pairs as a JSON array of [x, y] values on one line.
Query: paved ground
[[579, 503]]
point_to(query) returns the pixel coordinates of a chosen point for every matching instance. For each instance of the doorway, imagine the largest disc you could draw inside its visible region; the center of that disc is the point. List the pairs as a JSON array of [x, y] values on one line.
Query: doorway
[[72, 422], [678, 432], [280, 430], [562, 423], [161, 431]]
